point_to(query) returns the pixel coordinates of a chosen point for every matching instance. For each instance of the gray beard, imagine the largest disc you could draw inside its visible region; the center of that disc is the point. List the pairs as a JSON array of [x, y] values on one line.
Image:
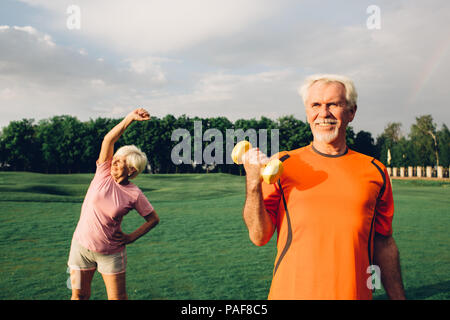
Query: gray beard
[[327, 137]]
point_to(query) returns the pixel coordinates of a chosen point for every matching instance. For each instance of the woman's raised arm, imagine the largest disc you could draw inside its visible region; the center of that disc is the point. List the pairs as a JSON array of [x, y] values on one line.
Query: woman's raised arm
[[107, 149]]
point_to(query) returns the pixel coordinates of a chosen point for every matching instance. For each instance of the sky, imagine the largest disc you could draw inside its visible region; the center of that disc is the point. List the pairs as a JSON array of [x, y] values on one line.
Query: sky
[[211, 58]]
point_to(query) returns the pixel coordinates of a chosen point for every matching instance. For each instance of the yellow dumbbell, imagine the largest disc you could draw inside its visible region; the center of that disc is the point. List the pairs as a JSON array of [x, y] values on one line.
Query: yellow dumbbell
[[271, 171]]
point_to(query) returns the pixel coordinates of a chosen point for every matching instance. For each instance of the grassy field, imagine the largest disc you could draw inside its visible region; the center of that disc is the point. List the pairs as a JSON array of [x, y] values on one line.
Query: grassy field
[[200, 250]]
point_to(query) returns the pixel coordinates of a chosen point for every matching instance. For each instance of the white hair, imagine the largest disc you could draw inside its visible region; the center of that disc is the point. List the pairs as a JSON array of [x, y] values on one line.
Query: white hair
[[350, 91], [135, 158]]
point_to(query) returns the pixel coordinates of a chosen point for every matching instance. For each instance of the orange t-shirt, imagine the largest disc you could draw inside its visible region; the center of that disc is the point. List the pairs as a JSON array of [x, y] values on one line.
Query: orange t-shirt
[[326, 209]]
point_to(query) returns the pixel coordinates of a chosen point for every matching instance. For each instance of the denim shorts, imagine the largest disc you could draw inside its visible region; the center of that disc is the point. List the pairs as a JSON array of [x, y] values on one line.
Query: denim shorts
[[81, 258]]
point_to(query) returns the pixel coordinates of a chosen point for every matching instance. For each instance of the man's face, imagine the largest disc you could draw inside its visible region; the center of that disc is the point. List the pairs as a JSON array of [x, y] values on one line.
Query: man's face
[[327, 112]]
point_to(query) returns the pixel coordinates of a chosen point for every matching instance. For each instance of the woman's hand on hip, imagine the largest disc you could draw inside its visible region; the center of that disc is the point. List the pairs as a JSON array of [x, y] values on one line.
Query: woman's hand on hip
[[122, 238]]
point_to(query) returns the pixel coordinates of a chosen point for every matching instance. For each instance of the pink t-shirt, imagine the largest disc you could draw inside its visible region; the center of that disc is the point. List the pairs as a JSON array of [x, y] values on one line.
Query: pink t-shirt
[[104, 206]]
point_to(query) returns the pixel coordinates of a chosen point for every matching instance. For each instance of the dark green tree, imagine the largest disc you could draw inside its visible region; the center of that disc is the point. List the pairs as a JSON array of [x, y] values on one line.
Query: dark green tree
[[424, 142], [387, 142], [95, 130], [350, 137], [19, 146], [364, 143], [62, 144], [294, 133], [444, 146]]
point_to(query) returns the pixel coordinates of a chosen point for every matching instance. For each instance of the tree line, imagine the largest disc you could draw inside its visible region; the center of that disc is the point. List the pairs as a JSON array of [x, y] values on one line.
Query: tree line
[[64, 144]]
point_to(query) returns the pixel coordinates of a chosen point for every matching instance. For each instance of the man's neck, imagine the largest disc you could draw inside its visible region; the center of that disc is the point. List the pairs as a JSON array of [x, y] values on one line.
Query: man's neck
[[333, 148]]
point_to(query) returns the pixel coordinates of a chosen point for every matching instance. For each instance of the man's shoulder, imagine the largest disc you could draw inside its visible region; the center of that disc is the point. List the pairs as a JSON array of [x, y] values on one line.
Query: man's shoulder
[[358, 156], [288, 153]]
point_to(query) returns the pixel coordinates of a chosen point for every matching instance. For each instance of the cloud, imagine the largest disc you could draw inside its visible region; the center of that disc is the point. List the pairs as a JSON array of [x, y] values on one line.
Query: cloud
[[7, 94], [41, 37], [149, 67], [235, 96], [233, 58], [39, 79], [399, 70], [149, 27]]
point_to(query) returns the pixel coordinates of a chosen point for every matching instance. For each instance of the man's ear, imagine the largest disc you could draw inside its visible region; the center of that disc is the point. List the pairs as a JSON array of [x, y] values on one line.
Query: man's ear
[[353, 112]]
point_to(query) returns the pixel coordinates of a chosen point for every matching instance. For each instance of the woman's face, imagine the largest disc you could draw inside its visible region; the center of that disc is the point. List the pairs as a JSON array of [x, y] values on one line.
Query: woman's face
[[119, 169]]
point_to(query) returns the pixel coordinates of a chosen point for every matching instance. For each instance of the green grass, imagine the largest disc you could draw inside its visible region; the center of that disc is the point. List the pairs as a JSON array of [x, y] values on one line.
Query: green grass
[[200, 249]]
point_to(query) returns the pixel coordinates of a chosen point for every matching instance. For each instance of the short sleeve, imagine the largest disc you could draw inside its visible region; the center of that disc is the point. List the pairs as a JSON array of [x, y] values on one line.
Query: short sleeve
[[271, 197], [103, 170], [143, 206], [384, 209]]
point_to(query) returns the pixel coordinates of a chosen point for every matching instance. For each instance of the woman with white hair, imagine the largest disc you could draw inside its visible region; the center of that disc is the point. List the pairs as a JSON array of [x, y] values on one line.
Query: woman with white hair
[[98, 242]]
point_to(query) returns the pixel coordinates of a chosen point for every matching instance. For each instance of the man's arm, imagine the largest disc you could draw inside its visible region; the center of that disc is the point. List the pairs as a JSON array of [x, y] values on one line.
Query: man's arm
[[258, 221], [107, 149], [387, 257]]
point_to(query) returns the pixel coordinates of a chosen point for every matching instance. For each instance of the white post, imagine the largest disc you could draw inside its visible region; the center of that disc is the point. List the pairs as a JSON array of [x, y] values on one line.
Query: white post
[[440, 172], [389, 170], [402, 172], [419, 172], [429, 171], [394, 174], [410, 172]]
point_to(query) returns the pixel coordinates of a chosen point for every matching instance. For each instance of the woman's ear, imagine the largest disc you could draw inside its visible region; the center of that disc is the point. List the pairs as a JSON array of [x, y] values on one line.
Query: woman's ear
[[131, 171]]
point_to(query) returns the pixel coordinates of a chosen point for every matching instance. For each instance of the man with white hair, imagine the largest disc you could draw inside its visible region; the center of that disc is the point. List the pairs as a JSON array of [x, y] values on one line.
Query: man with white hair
[[332, 207]]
